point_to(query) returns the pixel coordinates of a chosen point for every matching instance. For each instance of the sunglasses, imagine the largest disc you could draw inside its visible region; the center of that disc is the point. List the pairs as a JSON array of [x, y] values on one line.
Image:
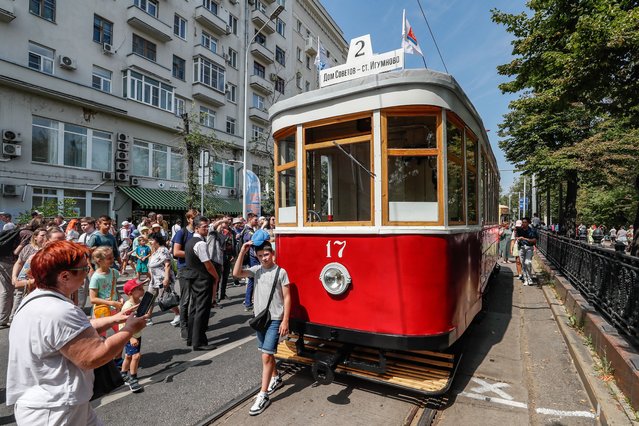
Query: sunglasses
[[86, 268]]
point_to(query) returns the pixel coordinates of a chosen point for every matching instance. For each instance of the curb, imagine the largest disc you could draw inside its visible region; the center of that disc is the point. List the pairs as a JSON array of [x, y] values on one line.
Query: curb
[[609, 410]]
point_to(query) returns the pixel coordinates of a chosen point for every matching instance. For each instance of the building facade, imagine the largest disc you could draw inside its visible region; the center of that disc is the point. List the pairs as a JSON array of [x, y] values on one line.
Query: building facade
[[94, 95]]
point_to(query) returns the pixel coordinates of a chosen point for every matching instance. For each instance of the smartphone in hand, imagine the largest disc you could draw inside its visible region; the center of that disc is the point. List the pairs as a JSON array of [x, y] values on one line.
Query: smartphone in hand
[[145, 304]]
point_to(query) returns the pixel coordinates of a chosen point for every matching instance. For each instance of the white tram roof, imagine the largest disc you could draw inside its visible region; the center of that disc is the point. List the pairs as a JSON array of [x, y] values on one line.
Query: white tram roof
[[391, 89]]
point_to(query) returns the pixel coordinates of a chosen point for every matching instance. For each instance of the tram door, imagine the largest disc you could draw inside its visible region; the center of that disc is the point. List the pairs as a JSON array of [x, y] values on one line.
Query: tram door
[[339, 174]]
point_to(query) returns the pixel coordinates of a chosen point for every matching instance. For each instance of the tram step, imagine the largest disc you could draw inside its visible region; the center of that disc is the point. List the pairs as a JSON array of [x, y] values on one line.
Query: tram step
[[426, 372]]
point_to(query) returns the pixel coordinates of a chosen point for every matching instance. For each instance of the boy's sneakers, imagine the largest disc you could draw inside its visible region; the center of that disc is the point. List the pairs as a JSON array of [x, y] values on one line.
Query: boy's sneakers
[[125, 377], [134, 385], [261, 402], [149, 322], [176, 321], [275, 383]]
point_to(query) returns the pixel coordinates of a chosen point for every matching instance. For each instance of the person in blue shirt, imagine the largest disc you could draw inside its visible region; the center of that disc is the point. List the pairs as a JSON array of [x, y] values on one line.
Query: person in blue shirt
[[526, 240]]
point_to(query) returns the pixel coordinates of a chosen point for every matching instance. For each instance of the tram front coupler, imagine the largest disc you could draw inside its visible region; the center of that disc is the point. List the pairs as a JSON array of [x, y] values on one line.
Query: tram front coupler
[[324, 364]]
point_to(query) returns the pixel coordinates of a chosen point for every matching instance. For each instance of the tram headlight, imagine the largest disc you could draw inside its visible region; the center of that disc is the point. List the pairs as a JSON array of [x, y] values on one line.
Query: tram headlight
[[335, 278]]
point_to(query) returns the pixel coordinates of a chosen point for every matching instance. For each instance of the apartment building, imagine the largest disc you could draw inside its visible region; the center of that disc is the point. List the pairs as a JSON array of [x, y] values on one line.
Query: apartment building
[[93, 95]]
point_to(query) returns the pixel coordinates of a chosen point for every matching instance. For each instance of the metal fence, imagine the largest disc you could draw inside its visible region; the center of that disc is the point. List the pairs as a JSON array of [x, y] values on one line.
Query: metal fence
[[609, 280]]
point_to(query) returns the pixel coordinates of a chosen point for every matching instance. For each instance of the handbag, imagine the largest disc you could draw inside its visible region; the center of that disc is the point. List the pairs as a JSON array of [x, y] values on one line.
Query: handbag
[[262, 320], [101, 311], [106, 378], [168, 300]]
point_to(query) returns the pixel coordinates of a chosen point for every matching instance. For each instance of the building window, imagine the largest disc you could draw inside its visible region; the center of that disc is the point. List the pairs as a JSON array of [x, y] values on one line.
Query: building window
[[307, 86], [230, 125], [179, 106], [210, 5], [45, 9], [207, 117], [223, 175], [159, 161], [179, 27], [209, 42], [149, 6], [280, 26], [280, 84], [259, 69], [298, 80], [232, 58], [177, 165], [298, 55], [144, 48], [257, 132], [208, 73], [233, 24], [101, 79], [260, 38], [281, 3], [179, 68], [259, 102], [280, 56], [66, 144], [231, 93], [41, 58], [93, 204], [308, 62], [102, 30], [259, 5], [147, 90], [140, 158]]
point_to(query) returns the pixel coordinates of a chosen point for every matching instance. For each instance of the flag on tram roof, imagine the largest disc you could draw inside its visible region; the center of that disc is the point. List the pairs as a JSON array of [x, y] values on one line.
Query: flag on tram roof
[[409, 41]]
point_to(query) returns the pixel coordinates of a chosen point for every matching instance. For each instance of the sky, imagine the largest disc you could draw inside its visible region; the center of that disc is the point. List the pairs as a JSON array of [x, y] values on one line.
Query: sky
[[471, 44]]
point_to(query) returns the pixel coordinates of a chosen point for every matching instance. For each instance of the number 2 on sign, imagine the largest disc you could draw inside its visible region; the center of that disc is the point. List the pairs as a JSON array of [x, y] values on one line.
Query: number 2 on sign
[[337, 243]]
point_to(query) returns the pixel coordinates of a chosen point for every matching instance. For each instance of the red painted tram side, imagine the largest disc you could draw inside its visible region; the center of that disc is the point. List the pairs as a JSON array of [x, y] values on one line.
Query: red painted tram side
[[386, 206]]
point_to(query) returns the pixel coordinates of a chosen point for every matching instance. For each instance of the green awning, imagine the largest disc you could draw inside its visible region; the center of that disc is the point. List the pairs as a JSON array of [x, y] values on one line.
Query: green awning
[[161, 199], [156, 199]]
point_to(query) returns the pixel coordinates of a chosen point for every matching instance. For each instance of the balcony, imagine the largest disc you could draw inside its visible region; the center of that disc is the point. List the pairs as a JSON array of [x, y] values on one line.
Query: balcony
[[200, 50], [7, 11], [211, 21], [311, 46], [148, 24], [209, 95], [147, 66], [260, 18], [262, 53], [260, 84], [259, 115]]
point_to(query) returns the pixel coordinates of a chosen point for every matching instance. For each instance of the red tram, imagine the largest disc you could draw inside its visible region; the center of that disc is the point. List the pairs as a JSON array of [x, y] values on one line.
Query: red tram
[[387, 210]]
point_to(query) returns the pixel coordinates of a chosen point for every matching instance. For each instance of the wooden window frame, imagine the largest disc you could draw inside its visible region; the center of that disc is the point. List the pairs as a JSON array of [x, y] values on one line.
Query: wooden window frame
[[347, 140], [284, 133], [411, 111], [470, 134], [453, 118]]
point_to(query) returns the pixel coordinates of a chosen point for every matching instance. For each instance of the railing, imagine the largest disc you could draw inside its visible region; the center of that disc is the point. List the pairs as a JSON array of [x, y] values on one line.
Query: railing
[[609, 280]]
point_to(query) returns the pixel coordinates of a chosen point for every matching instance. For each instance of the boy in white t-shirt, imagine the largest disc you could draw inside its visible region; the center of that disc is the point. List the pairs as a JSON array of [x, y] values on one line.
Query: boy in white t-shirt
[[265, 276]]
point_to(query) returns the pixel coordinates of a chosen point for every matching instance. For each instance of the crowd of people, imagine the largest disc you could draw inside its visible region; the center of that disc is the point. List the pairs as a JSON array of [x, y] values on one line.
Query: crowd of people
[[81, 262]]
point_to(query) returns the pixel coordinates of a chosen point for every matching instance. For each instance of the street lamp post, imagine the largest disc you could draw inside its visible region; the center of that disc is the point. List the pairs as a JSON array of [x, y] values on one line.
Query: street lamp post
[[273, 15]]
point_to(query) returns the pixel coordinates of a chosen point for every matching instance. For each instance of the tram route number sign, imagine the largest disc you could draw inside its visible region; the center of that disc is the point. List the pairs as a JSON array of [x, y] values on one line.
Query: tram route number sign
[[362, 62]]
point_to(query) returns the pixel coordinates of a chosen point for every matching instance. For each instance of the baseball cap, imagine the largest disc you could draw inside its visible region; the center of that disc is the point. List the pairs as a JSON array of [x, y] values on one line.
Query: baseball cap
[[143, 228], [156, 225], [131, 285], [237, 220], [518, 223], [125, 223], [260, 237]]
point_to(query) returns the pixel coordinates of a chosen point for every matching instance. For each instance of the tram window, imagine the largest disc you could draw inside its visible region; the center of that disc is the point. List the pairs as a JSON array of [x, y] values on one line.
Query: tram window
[[412, 188], [337, 187], [285, 166], [412, 131], [455, 154], [286, 149], [471, 177], [341, 130]]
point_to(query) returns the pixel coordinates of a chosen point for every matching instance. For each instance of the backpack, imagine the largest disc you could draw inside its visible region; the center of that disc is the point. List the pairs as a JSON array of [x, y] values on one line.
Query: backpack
[[9, 240]]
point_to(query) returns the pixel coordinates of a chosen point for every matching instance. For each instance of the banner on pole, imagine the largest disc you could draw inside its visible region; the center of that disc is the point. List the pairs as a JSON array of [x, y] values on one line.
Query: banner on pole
[[252, 194]]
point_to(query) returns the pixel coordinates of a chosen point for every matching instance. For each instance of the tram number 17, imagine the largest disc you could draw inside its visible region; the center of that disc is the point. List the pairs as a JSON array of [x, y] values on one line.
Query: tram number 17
[[342, 245]]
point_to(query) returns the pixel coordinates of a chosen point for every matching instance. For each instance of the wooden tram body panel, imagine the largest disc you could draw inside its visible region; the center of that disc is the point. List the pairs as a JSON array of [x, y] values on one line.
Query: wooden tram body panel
[[407, 287]]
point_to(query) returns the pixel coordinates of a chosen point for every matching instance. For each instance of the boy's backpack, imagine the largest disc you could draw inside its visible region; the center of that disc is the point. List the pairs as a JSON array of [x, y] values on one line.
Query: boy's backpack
[[9, 240]]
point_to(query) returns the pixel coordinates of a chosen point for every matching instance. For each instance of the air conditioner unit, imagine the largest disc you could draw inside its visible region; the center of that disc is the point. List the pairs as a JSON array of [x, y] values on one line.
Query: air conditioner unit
[[226, 56], [121, 166], [231, 192], [273, 76], [67, 62], [11, 149], [123, 146], [121, 177], [108, 175], [11, 136], [123, 137], [228, 29], [122, 155], [9, 190], [135, 181], [107, 49]]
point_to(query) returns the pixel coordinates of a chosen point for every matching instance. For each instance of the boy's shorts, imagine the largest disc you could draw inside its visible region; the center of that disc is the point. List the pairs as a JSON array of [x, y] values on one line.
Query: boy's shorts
[[267, 341], [131, 350]]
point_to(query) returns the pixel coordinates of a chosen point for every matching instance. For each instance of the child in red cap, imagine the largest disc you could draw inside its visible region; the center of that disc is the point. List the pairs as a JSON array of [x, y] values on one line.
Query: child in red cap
[[134, 289]]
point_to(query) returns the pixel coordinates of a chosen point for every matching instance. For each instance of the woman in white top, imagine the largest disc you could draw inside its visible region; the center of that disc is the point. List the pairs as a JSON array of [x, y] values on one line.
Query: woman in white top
[[54, 347], [160, 268]]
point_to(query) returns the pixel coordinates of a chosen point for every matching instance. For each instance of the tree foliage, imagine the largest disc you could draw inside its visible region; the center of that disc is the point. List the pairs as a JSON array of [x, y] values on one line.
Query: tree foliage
[[51, 208]]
